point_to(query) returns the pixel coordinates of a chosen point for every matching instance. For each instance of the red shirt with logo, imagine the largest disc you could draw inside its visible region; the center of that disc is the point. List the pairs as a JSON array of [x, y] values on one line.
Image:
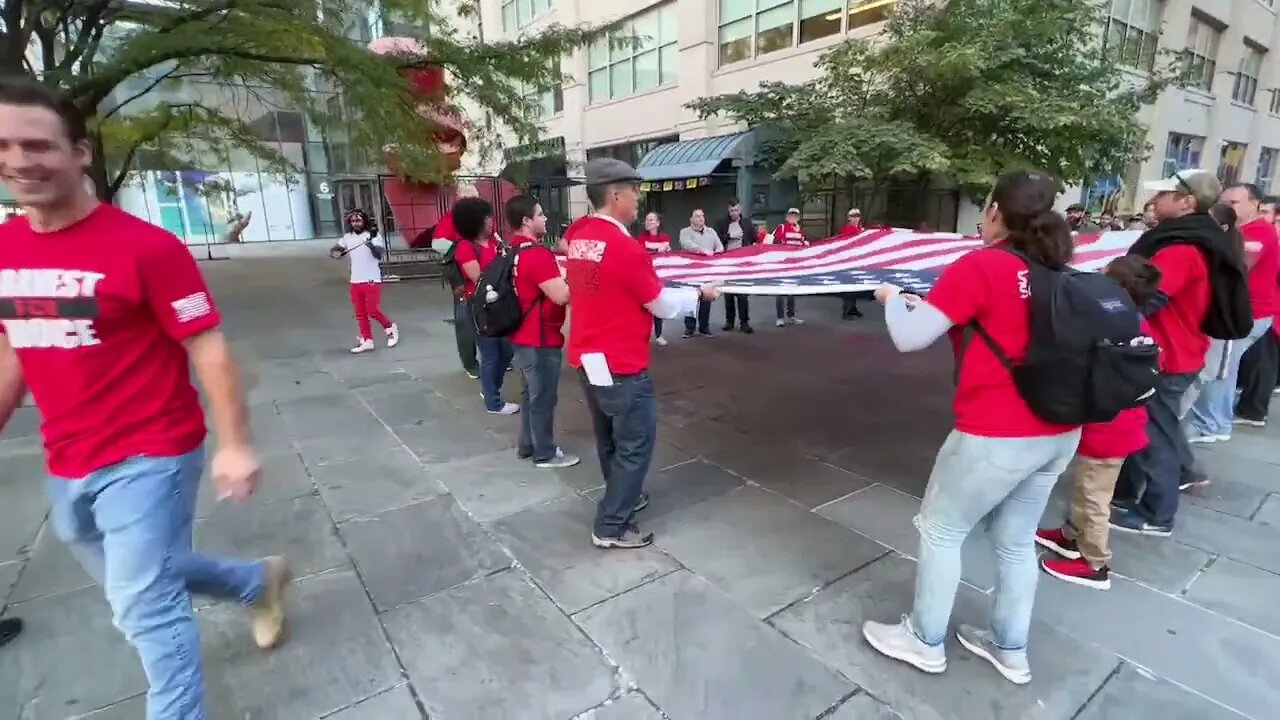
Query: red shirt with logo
[[1262, 244], [483, 252], [543, 324], [993, 288], [788, 234], [611, 279], [1176, 327], [655, 242], [97, 314]]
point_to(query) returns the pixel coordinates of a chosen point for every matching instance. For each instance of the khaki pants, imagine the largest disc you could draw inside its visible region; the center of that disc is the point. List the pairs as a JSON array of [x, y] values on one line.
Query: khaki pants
[[1089, 522]]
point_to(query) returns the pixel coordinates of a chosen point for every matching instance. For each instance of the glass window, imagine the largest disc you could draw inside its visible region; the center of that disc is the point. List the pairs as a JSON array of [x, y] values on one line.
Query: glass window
[[518, 13], [735, 41], [1275, 102], [647, 74], [819, 19], [1200, 58], [620, 78], [668, 59], [1247, 73], [647, 32], [598, 82], [775, 28], [869, 12], [1132, 31], [1231, 162], [1266, 169], [1182, 153], [649, 62], [731, 10]]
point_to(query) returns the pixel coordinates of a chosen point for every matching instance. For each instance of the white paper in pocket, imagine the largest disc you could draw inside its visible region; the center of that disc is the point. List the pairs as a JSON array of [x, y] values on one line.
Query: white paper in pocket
[[597, 369]]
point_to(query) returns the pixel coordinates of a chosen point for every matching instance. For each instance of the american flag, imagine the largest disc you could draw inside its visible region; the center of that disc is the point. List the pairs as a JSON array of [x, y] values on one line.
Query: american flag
[[909, 259], [192, 307]]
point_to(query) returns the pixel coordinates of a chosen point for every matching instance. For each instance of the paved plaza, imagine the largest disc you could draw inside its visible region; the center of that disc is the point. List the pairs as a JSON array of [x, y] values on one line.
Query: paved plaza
[[440, 577]]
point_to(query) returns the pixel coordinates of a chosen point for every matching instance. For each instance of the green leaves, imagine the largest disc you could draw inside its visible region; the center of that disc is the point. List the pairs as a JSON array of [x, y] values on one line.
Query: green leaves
[[966, 88]]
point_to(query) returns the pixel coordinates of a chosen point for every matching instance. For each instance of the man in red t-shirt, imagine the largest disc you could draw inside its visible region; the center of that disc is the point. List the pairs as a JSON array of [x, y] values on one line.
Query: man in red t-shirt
[[538, 341], [616, 294], [101, 315], [477, 247], [1262, 252], [789, 233]]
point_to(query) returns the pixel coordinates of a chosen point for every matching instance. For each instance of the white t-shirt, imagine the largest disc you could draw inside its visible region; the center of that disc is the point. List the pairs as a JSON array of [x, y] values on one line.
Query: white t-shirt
[[364, 266], [734, 241]]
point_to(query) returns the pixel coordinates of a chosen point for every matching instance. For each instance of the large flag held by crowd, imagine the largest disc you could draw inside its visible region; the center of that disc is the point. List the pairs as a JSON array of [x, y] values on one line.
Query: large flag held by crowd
[[912, 260]]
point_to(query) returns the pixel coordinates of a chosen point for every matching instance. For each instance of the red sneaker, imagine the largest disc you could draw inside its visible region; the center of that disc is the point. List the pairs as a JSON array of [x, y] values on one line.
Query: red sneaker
[[1054, 540], [1078, 572]]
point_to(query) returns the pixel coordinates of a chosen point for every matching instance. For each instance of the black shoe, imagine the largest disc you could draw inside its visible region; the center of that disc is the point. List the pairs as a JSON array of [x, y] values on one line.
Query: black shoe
[[727, 327], [10, 628], [642, 503], [704, 333], [1123, 504], [687, 334], [524, 454], [747, 329]]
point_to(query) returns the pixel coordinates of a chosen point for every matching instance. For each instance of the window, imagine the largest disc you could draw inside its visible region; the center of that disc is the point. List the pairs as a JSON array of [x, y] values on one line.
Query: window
[[518, 13], [1266, 169], [1200, 58], [1182, 153], [1246, 87], [650, 60], [548, 102], [1275, 101], [1132, 33], [751, 28], [1231, 162]]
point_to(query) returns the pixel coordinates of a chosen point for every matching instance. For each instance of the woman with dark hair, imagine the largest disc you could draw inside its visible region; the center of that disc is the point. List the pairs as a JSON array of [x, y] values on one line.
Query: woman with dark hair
[[360, 245], [1001, 460], [477, 247]]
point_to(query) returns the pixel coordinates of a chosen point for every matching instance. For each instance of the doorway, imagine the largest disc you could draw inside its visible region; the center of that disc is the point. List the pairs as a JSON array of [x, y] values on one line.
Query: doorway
[[363, 195]]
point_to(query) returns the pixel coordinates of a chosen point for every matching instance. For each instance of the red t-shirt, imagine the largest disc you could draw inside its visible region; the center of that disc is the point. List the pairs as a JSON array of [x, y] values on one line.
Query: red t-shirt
[[850, 230], [483, 252], [611, 279], [788, 234], [1184, 278], [992, 287], [1261, 242], [97, 313], [444, 229], [543, 326], [654, 242]]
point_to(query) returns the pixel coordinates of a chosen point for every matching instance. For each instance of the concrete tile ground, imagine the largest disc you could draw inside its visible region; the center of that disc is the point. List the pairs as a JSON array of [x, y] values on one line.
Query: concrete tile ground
[[441, 577]]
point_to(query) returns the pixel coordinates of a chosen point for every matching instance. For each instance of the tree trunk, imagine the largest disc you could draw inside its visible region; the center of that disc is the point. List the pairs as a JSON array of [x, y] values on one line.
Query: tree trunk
[[98, 173]]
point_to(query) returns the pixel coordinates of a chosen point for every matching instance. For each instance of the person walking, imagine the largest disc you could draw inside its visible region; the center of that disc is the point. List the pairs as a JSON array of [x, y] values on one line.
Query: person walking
[[615, 294], [537, 343], [655, 241], [698, 238], [104, 317], [1002, 460], [477, 247], [361, 246], [736, 231], [789, 233]]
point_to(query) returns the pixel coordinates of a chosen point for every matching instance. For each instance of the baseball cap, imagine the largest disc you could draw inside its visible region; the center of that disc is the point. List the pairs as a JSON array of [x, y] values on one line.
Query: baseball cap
[[606, 171], [855, 211], [1202, 185], [793, 211]]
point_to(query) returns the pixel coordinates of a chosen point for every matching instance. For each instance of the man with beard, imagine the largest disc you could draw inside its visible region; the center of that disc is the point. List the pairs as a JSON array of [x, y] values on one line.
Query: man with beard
[[1078, 222]]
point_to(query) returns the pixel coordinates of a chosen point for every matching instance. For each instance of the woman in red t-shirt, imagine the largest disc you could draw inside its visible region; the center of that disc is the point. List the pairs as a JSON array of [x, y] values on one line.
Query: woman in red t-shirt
[[852, 228], [1001, 460], [655, 241]]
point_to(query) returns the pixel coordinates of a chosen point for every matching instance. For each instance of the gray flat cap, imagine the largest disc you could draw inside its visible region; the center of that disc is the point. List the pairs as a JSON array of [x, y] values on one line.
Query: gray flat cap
[[606, 171]]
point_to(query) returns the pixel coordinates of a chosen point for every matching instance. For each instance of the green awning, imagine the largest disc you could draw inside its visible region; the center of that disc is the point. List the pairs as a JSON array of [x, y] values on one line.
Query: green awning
[[689, 158]]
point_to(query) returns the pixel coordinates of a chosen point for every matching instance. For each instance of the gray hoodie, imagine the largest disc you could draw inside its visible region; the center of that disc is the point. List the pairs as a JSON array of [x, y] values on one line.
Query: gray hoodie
[[700, 242]]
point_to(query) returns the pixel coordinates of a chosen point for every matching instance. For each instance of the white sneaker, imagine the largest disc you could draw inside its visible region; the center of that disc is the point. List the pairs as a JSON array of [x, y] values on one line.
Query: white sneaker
[[393, 335], [1206, 439], [794, 321], [781, 322], [506, 409], [561, 460], [662, 342], [900, 643], [364, 346], [1249, 421], [1012, 664]]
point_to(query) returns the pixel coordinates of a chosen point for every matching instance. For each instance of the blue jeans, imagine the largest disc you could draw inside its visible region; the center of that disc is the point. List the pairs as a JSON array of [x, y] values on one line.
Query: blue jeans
[[540, 371], [464, 333], [495, 358], [625, 419], [1004, 483], [1213, 410], [129, 526], [1151, 475]]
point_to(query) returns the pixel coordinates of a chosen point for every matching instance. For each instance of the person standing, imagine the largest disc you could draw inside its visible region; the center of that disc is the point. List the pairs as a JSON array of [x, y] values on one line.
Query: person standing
[[852, 228], [789, 233], [1260, 364], [698, 238], [444, 235], [477, 247], [655, 241], [1211, 414], [104, 316], [736, 231], [362, 248], [538, 341], [615, 294]]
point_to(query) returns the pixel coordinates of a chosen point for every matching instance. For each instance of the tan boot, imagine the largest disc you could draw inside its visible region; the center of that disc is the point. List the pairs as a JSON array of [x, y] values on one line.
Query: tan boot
[[266, 615]]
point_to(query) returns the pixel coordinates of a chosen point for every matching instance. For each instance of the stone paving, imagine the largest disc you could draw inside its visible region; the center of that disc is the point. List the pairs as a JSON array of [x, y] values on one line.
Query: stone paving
[[440, 577]]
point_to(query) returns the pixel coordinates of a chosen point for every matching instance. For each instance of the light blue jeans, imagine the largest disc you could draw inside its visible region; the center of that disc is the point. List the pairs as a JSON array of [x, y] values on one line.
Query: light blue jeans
[[129, 525], [1004, 483], [1213, 410]]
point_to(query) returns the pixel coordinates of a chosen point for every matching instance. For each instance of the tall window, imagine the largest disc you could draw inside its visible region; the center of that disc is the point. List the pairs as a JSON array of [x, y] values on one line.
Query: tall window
[[1250, 68], [1231, 162], [751, 28], [548, 102], [518, 13], [1266, 169], [1133, 31], [650, 59], [1200, 57], [1182, 153], [1275, 102]]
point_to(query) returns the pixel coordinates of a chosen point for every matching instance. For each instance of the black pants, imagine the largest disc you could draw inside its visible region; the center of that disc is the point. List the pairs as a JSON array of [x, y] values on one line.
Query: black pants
[[624, 417], [703, 322], [657, 327], [1151, 475], [1258, 377], [849, 303], [786, 307], [464, 331], [737, 307]]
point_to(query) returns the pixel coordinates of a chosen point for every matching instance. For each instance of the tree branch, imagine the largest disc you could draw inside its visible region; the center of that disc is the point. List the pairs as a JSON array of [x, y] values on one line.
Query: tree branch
[[170, 75]]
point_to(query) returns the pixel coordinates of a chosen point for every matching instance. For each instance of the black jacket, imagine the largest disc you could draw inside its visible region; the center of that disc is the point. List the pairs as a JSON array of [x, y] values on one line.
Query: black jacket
[[748, 230]]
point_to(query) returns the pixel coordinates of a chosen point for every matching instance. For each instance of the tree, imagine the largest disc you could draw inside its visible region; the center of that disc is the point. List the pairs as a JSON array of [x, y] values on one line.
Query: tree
[[129, 65], [965, 89]]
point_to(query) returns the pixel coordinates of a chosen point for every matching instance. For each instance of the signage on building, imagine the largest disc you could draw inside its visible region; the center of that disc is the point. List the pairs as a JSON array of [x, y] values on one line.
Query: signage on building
[[548, 147], [670, 185], [323, 191]]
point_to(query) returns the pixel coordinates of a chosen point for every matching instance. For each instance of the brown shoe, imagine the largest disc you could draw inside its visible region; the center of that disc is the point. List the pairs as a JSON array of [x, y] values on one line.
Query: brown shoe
[[266, 615]]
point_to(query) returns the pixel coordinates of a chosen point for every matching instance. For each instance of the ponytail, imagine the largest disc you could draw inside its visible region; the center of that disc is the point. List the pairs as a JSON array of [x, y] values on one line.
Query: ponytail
[[1044, 237]]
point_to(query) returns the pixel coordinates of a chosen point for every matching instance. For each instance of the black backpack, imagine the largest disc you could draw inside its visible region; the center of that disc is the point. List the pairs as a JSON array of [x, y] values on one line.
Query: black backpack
[[1230, 312], [1088, 359], [451, 272], [494, 304]]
